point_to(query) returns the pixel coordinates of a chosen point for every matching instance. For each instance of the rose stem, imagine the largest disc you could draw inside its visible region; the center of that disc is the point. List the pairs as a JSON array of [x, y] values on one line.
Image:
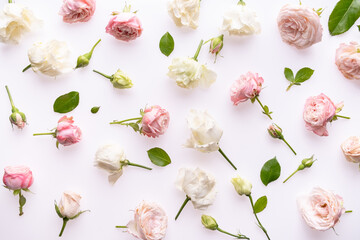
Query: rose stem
[[26, 68], [236, 236], [227, 159], [288, 145], [21, 205], [262, 106], [126, 120], [348, 211], [340, 116], [102, 74], [260, 225], [121, 226], [182, 207], [291, 175], [10, 98], [49, 133], [138, 165], [288, 88], [92, 50], [198, 50], [65, 220]]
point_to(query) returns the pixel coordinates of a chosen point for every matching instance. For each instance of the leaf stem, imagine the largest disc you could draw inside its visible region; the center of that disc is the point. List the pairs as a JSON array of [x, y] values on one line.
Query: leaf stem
[[233, 235], [27, 67], [48, 133], [288, 145], [10, 98], [65, 220], [126, 120], [92, 49], [102, 74], [198, 50], [260, 225], [291, 175], [138, 165], [262, 106], [341, 116], [227, 159], [121, 226], [182, 207], [288, 88]]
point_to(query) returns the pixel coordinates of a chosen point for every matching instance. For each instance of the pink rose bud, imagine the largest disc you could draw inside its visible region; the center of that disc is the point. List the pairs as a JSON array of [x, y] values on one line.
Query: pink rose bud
[[67, 133], [155, 121], [19, 177], [125, 26], [216, 44], [347, 60], [275, 131], [77, 10], [248, 86]]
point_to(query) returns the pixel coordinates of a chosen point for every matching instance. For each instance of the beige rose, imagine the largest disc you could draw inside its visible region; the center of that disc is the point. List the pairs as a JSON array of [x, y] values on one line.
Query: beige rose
[[185, 12], [351, 149], [347, 60], [69, 204]]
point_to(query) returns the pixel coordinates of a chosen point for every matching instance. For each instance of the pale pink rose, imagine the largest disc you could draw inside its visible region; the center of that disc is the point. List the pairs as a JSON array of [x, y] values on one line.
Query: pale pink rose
[[155, 121], [77, 10], [69, 205], [321, 209], [347, 60], [299, 25], [125, 26], [351, 149], [150, 222], [318, 111], [19, 177], [246, 87], [67, 133]]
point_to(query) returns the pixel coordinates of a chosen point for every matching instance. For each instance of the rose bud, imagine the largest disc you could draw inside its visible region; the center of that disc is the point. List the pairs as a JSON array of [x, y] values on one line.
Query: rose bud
[[84, 59], [68, 208], [216, 44], [154, 121], [18, 178], [66, 133], [242, 186], [17, 118], [150, 222], [119, 79], [276, 132], [305, 163], [351, 149]]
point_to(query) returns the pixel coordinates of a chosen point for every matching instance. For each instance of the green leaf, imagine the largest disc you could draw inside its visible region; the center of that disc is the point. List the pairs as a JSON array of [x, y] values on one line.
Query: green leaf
[[303, 74], [270, 171], [16, 192], [58, 211], [344, 15], [159, 157], [289, 75], [134, 126], [66, 103], [22, 200], [77, 215], [260, 204], [95, 109], [166, 44]]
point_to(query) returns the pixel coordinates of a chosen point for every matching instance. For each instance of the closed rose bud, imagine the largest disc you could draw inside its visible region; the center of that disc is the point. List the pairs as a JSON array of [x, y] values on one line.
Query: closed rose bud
[[155, 121], [19, 177], [275, 131], [84, 59], [69, 204], [217, 44], [242, 186], [308, 162], [121, 80], [209, 222], [18, 119], [67, 133]]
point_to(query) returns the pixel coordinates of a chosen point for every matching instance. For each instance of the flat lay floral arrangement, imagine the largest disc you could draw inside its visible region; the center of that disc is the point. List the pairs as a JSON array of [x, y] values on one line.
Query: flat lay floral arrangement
[[162, 119]]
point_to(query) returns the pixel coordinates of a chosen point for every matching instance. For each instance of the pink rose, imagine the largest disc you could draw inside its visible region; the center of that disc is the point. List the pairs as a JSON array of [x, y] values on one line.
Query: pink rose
[[318, 111], [67, 133], [321, 209], [19, 177], [77, 10], [299, 26], [155, 121], [125, 26], [351, 149], [150, 222], [246, 87], [347, 60]]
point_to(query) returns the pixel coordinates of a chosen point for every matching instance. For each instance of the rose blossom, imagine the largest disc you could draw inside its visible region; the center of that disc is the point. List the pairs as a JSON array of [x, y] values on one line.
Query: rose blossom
[[347, 60], [69, 204], [155, 121], [67, 133], [150, 222], [125, 26], [19, 177], [351, 149], [185, 12], [77, 10], [246, 87], [321, 209], [299, 25]]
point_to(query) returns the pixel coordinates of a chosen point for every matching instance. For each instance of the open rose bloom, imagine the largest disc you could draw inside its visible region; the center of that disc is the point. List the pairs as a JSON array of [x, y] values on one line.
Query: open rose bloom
[[19, 177], [184, 12], [67, 133], [347, 60], [246, 87], [321, 209], [155, 121], [77, 10], [125, 26], [299, 25], [351, 149]]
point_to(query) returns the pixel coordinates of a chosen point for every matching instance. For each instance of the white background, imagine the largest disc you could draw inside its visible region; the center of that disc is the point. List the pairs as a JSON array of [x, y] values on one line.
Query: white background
[[245, 139]]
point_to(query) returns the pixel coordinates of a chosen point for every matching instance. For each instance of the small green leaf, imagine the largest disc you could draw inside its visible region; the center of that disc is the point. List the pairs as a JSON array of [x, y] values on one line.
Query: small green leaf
[[77, 215], [22, 200], [159, 157], [344, 15], [252, 100], [95, 109], [270, 171], [303, 74], [289, 75], [260, 204], [58, 211], [67, 102], [266, 109], [134, 126], [166, 44], [16, 192]]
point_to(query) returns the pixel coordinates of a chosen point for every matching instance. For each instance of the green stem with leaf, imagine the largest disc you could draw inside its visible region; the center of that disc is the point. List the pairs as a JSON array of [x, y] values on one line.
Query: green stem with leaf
[[233, 235], [22, 201], [265, 108], [126, 120], [182, 207], [198, 50], [227, 159], [260, 225]]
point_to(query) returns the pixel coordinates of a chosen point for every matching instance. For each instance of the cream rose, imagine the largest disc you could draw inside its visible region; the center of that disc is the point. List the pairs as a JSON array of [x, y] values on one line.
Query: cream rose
[[242, 185], [347, 60], [50, 58], [299, 25], [185, 12], [241, 20], [205, 132], [321, 209], [69, 204], [188, 73], [15, 21], [351, 149]]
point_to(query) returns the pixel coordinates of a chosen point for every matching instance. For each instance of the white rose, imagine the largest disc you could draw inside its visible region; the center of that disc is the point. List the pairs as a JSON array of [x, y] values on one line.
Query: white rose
[[241, 20], [198, 185], [188, 73], [108, 157], [205, 132], [69, 204], [185, 12], [351, 149], [15, 21], [50, 58]]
